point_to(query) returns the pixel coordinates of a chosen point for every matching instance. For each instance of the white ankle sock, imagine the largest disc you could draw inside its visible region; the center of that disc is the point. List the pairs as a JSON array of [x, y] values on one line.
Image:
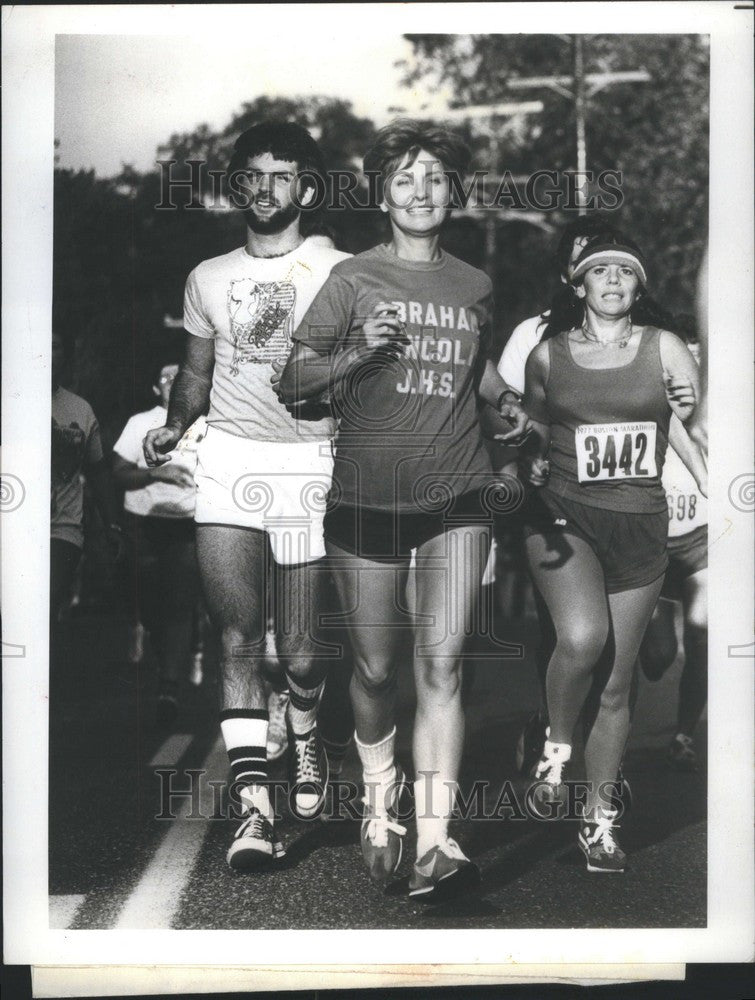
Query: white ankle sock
[[378, 768], [434, 801]]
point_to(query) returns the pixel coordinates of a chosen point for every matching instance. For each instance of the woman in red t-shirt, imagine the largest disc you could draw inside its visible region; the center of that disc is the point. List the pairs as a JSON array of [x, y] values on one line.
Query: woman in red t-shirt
[[397, 334]]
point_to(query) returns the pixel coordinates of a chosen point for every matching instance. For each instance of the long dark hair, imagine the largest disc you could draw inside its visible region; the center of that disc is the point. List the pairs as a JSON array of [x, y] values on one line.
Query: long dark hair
[[567, 310]]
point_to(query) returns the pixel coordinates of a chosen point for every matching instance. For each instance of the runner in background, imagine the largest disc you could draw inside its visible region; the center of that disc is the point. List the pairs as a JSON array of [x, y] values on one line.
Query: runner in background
[[76, 454], [159, 507], [686, 583], [698, 429]]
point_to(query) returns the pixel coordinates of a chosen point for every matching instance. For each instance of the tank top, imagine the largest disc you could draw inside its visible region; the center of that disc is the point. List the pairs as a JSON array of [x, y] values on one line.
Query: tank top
[[609, 428]]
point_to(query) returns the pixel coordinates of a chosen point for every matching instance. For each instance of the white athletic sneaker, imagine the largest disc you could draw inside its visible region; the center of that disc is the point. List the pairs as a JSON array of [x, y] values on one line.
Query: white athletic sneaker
[[444, 870]]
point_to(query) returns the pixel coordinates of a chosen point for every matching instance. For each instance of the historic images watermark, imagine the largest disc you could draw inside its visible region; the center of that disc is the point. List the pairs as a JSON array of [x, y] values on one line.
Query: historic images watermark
[[546, 190], [219, 800]]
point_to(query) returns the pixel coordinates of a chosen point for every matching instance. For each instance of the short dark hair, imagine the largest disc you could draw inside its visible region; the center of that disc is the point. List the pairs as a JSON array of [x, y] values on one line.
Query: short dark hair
[[594, 224], [405, 137], [283, 140]]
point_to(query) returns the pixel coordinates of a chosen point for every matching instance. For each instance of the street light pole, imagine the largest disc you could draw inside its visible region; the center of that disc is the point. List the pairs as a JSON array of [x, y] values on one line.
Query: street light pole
[[579, 113]]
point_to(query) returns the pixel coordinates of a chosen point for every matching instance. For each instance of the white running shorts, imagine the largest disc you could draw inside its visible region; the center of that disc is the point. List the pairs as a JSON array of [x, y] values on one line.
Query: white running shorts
[[277, 488]]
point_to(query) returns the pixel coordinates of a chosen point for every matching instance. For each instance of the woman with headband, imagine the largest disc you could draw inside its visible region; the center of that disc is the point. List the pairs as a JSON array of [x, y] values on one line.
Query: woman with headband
[[600, 391]]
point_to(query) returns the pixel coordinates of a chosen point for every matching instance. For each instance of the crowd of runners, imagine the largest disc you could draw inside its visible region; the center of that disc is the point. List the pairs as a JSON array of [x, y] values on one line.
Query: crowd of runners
[[315, 476]]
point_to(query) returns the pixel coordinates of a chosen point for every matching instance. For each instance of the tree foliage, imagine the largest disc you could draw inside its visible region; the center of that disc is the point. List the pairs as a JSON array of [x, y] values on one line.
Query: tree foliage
[[655, 133]]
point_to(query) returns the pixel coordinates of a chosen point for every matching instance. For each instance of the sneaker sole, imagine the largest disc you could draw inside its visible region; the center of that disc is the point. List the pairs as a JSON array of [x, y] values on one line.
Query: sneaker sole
[[599, 871], [248, 859], [464, 879]]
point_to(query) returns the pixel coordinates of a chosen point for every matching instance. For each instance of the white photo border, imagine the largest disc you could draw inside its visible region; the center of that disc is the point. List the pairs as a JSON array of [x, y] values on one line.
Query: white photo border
[[27, 153]]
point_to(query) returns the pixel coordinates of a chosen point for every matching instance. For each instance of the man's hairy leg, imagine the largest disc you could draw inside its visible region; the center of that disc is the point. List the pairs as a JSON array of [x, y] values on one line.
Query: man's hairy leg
[[233, 564]]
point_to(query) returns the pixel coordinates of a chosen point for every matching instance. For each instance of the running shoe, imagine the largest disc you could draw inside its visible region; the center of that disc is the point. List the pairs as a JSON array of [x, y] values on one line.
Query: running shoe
[[308, 773], [277, 732], [442, 872], [549, 789], [382, 846], [599, 845], [529, 746], [682, 754], [254, 844]]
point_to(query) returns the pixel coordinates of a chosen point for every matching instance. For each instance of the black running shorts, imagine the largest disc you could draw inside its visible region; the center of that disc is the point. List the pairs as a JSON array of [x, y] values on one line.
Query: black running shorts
[[687, 554], [631, 547], [390, 536]]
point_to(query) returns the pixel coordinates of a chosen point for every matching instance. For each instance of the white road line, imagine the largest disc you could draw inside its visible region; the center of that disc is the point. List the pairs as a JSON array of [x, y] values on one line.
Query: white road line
[[154, 901], [62, 911], [172, 750]]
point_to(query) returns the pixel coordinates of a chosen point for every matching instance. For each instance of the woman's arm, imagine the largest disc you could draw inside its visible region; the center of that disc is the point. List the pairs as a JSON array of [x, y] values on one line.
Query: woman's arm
[[681, 376], [308, 374], [505, 401], [533, 459], [689, 452]]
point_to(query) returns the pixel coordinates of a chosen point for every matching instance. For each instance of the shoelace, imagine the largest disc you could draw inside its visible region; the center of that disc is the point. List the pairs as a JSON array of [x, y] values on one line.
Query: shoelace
[[307, 766], [377, 829], [550, 770], [253, 825], [603, 833], [379, 825]]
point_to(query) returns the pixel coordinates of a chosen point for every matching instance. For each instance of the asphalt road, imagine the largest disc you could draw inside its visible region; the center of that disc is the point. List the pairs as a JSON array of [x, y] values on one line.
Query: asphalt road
[[115, 864]]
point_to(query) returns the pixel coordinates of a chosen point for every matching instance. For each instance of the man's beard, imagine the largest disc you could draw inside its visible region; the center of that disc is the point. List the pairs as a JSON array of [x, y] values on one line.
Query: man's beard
[[274, 223]]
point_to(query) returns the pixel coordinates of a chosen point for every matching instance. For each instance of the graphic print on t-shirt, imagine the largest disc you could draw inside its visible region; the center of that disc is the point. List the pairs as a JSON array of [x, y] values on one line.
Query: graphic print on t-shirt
[[261, 320], [443, 353], [67, 452]]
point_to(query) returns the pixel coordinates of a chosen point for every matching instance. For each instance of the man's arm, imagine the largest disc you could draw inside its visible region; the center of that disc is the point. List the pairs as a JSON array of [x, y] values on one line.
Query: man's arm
[[189, 399], [130, 476], [190, 396]]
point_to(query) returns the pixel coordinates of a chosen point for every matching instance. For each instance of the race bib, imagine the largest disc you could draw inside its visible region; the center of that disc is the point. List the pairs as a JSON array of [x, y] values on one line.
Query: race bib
[[609, 453]]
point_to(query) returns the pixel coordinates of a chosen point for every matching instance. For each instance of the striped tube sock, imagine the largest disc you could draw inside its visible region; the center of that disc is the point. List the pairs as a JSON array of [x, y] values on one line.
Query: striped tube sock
[[336, 753], [302, 706], [245, 736]]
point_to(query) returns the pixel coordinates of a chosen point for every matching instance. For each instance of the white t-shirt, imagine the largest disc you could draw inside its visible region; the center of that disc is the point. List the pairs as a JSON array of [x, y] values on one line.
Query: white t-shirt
[[250, 306], [158, 499], [688, 508], [525, 336]]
